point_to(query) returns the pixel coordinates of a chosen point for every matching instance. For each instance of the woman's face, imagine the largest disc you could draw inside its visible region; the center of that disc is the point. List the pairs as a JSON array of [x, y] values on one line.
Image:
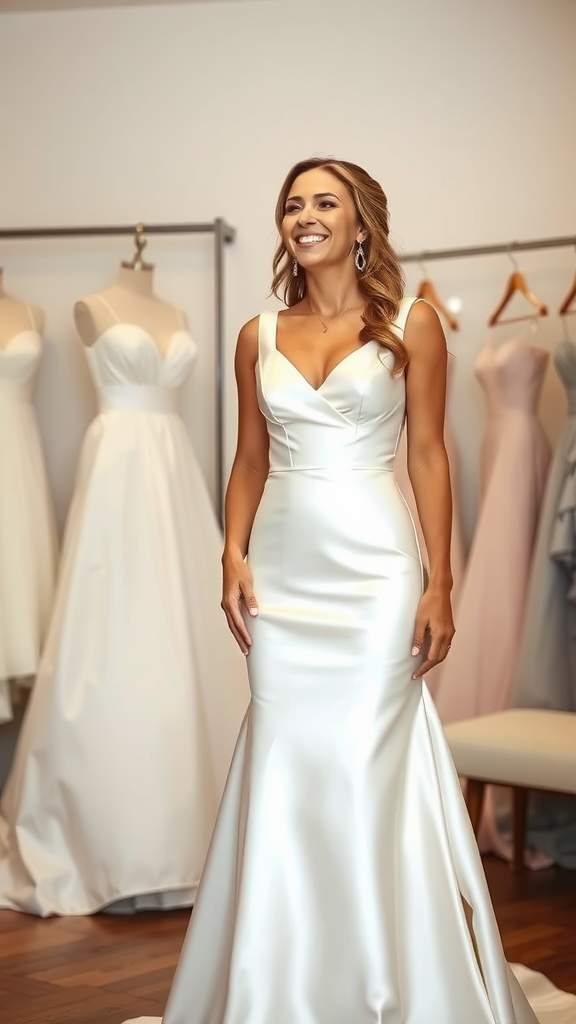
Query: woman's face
[[320, 223]]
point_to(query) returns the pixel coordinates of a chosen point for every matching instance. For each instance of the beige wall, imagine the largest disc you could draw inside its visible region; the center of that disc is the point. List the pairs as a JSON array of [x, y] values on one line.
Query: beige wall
[[463, 110]]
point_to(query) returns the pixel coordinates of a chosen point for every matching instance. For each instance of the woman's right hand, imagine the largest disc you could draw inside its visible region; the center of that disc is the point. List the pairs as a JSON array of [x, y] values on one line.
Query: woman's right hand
[[238, 587]]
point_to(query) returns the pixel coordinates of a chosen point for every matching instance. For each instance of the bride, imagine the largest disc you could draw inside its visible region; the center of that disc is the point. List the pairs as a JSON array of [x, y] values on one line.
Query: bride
[[343, 884]]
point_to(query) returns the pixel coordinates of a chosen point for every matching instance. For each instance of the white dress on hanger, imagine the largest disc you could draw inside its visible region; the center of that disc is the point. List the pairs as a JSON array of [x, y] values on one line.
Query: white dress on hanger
[[127, 741], [334, 888], [28, 539]]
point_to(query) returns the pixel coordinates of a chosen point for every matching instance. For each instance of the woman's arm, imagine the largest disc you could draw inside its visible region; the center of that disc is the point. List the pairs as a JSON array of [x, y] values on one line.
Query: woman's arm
[[429, 474], [247, 479]]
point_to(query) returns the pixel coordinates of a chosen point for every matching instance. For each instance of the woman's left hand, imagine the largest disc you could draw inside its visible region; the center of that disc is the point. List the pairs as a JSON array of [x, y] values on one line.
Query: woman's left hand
[[433, 631]]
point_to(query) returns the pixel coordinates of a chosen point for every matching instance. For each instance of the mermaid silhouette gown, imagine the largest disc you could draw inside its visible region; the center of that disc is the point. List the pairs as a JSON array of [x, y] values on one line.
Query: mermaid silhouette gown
[[141, 691], [28, 540], [333, 890], [477, 675]]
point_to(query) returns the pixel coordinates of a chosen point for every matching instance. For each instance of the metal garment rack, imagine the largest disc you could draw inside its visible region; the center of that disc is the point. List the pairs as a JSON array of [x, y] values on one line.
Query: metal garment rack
[[505, 248], [223, 233]]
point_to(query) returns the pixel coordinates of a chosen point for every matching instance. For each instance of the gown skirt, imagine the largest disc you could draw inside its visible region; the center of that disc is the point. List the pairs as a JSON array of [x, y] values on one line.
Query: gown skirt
[[343, 857]]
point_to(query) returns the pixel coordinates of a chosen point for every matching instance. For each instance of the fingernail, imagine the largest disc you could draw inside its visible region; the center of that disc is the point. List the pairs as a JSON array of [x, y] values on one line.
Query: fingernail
[[415, 651], [253, 611]]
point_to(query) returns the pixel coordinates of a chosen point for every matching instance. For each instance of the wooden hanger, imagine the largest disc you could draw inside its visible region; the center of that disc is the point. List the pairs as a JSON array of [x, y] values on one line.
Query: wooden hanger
[[565, 309], [517, 283], [427, 291]]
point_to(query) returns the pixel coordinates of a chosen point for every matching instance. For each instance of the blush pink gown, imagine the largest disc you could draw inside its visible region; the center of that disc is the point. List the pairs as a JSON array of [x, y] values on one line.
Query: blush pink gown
[[515, 456]]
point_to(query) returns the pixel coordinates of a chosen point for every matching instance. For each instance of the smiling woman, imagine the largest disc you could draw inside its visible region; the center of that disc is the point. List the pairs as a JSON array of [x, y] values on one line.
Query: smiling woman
[[343, 856], [346, 219]]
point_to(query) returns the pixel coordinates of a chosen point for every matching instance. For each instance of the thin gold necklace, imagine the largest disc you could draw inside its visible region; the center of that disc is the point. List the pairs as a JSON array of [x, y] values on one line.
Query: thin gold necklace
[[318, 317]]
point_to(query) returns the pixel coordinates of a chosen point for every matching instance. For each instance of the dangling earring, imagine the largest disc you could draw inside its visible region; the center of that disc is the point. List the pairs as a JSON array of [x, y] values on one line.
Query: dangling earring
[[295, 268], [360, 258]]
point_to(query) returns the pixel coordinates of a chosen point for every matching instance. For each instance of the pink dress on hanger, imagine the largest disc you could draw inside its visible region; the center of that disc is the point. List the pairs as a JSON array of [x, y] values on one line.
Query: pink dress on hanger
[[514, 462], [457, 550]]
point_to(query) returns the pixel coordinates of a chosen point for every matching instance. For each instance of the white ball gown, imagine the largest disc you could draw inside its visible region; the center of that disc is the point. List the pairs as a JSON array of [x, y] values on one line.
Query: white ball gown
[[28, 540], [141, 691], [342, 856]]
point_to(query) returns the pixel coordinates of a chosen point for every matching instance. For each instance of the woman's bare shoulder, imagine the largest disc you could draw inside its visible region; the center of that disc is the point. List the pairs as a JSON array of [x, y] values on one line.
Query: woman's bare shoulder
[[423, 328], [247, 344]]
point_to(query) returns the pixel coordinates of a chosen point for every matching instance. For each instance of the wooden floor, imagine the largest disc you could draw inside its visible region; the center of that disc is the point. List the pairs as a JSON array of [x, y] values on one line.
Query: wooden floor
[[104, 969]]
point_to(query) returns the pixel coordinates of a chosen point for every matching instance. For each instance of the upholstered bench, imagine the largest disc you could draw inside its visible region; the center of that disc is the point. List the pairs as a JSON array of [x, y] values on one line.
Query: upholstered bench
[[523, 748]]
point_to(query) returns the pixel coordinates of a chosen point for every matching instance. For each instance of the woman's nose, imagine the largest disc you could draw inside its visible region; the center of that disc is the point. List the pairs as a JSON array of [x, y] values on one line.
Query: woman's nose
[[306, 215]]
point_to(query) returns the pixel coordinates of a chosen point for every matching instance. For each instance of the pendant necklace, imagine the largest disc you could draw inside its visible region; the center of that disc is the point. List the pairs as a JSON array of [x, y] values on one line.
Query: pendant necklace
[[325, 326]]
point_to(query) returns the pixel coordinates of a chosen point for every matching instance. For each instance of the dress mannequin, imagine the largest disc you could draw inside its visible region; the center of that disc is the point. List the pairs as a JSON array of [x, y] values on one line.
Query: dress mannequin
[[133, 300], [16, 316]]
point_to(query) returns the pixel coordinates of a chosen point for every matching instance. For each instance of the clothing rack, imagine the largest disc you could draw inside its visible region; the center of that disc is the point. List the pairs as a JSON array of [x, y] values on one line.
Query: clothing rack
[[505, 248], [223, 233]]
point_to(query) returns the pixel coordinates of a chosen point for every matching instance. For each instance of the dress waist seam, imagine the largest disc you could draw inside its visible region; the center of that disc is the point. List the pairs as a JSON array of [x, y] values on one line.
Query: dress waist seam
[[332, 469]]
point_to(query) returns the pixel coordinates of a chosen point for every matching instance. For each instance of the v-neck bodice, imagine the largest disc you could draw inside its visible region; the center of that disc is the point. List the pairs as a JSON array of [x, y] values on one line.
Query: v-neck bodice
[[352, 421]]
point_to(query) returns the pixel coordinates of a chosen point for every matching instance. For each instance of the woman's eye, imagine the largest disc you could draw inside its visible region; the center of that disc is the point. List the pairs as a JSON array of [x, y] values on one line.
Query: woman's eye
[[291, 208], [326, 203]]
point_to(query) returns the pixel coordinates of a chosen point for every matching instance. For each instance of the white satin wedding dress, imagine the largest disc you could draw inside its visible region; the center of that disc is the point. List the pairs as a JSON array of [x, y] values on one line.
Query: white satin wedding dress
[[141, 690], [334, 889]]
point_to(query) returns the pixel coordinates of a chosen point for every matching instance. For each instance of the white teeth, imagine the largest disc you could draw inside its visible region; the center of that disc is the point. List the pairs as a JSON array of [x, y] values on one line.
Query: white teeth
[[311, 238]]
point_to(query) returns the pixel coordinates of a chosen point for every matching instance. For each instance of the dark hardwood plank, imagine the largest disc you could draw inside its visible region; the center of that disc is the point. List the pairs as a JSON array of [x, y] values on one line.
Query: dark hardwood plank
[[104, 969]]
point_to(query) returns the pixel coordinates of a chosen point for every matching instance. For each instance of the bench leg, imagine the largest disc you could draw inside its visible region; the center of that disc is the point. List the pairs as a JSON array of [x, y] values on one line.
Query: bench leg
[[519, 808], [474, 801]]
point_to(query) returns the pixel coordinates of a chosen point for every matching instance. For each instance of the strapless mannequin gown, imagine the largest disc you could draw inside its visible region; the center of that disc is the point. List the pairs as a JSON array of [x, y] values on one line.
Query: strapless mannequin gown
[[127, 740], [333, 890], [457, 551], [28, 539], [477, 675]]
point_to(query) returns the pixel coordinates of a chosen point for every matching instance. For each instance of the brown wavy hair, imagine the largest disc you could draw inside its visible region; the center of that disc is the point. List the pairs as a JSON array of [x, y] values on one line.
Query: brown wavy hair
[[382, 281]]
